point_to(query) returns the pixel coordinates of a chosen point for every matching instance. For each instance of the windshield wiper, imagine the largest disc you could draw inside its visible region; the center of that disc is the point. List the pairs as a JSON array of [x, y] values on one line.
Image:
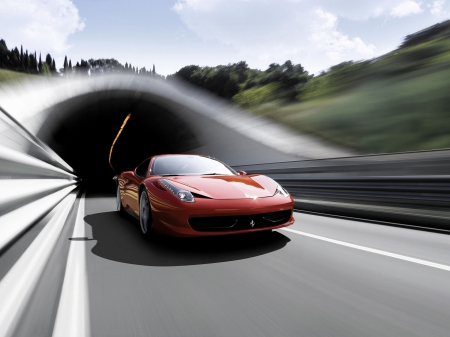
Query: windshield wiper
[[213, 174], [171, 175]]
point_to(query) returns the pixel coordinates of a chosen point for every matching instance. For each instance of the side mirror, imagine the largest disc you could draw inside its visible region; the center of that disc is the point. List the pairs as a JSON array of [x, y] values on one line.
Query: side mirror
[[242, 173]]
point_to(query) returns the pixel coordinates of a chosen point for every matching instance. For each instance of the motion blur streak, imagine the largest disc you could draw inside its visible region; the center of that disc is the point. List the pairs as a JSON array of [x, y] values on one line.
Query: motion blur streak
[[17, 164], [72, 319], [15, 190], [18, 285], [19, 129], [16, 222]]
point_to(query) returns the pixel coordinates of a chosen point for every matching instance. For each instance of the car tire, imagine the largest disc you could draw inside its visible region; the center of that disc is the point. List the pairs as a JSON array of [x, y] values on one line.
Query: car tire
[[119, 205], [145, 215]]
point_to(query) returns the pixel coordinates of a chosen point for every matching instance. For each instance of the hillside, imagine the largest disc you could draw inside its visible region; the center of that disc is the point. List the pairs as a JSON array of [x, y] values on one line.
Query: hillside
[[398, 102], [9, 75]]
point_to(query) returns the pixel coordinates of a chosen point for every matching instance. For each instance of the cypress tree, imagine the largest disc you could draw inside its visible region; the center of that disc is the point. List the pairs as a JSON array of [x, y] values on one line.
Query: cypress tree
[[3, 54], [21, 58], [35, 65], [65, 64], [53, 67], [40, 64], [26, 61], [15, 58], [48, 60], [153, 71]]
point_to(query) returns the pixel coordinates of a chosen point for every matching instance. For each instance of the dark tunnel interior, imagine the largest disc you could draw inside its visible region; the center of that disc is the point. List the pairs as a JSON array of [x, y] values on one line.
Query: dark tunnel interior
[[82, 130]]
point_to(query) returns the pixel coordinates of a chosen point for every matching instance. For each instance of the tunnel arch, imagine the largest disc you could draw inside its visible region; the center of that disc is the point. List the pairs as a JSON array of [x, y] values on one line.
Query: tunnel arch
[[85, 126]]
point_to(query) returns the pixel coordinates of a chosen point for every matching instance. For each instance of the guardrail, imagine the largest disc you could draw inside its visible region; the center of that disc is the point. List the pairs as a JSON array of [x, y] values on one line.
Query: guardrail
[[409, 188], [30, 186]]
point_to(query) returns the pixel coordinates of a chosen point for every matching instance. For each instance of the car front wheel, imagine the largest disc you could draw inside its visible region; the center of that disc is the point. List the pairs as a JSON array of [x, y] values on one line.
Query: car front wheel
[[145, 214]]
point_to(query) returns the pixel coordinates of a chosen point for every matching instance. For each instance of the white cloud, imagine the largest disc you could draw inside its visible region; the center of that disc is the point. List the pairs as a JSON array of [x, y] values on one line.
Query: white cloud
[[405, 8], [41, 25], [269, 31], [335, 44], [437, 8]]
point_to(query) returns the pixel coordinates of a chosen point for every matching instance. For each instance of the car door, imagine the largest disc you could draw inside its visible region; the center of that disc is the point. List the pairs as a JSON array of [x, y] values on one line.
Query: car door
[[124, 187]]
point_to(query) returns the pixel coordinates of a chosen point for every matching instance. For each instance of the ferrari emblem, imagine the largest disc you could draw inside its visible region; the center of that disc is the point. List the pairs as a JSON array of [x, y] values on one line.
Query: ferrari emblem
[[252, 223]]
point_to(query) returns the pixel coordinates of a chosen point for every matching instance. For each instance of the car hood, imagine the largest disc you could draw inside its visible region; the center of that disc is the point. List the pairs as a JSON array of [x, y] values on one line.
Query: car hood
[[228, 187]]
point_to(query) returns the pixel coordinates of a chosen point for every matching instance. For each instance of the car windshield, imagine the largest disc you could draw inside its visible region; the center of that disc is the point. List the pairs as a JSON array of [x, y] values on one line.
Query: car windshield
[[189, 165]]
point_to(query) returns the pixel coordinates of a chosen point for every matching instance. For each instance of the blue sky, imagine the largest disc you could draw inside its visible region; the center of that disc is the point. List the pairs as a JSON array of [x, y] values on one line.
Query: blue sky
[[175, 33]]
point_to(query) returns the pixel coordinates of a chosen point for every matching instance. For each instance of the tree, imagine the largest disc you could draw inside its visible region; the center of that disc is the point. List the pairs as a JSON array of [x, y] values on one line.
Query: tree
[[35, 64], [4, 62], [53, 67], [65, 65], [46, 69], [48, 60], [153, 71], [22, 64], [26, 61], [82, 68], [15, 59], [186, 72], [40, 64]]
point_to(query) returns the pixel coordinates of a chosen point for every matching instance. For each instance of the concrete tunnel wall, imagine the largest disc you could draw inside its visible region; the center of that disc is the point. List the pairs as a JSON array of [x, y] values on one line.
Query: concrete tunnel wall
[[80, 118]]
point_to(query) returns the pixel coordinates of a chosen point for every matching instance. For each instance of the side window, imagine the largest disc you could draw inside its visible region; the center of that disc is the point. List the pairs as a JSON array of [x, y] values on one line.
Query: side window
[[141, 170]]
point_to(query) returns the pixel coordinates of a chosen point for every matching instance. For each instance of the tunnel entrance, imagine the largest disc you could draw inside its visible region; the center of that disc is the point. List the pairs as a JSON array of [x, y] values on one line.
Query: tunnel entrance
[[81, 131], [86, 115]]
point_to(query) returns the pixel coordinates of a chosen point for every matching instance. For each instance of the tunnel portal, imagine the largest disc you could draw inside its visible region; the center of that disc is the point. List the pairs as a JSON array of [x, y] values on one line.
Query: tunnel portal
[[81, 131]]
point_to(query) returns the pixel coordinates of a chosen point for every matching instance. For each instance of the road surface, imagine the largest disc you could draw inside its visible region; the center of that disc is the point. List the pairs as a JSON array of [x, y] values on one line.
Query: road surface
[[323, 277]]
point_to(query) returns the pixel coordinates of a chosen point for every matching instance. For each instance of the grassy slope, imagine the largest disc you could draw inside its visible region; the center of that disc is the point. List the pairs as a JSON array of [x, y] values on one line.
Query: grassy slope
[[8, 75], [399, 103]]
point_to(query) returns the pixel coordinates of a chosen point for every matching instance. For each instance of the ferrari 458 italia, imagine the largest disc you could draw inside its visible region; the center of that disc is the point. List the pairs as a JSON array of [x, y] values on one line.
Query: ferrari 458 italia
[[193, 195]]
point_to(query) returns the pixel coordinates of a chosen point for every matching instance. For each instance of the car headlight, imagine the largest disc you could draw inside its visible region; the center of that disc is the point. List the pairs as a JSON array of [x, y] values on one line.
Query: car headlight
[[181, 194], [282, 191]]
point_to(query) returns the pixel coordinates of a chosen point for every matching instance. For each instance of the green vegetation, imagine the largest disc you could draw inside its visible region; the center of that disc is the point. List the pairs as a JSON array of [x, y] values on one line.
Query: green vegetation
[[228, 81], [256, 96], [398, 102], [8, 75], [23, 62]]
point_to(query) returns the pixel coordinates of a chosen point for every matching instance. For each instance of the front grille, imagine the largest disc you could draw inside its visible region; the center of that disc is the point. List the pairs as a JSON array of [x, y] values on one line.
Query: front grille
[[239, 222]]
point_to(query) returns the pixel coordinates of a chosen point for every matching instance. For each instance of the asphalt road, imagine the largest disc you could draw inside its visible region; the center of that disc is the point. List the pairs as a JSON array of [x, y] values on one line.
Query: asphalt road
[[327, 277]]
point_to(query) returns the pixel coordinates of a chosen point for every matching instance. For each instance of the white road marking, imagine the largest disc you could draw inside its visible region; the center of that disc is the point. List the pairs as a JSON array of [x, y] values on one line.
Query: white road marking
[[372, 250], [72, 319], [20, 282]]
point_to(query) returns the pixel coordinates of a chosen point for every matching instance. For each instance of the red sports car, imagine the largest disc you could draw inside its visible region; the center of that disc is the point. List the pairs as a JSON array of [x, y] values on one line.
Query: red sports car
[[193, 195]]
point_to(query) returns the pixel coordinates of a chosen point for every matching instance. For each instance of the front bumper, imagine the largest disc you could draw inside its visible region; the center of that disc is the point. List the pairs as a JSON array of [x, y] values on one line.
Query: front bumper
[[173, 219]]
